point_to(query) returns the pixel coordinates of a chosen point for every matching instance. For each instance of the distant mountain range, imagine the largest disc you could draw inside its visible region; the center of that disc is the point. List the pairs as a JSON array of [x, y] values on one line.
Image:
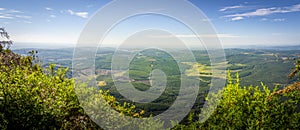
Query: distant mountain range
[[261, 47], [17, 46]]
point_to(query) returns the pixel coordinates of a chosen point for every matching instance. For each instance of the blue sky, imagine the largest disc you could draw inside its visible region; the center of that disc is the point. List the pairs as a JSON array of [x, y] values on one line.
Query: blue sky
[[237, 22]]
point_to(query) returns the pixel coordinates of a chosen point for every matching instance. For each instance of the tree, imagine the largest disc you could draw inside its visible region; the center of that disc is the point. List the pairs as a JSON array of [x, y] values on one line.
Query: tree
[[252, 108], [5, 39], [296, 69]]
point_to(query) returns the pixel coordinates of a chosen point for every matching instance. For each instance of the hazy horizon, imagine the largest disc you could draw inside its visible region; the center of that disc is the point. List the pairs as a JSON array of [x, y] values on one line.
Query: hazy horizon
[[19, 45]]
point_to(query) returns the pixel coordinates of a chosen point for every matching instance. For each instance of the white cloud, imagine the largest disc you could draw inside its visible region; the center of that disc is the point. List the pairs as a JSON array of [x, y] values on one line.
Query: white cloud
[[71, 12], [279, 20], [53, 16], [264, 19], [266, 11], [258, 12], [80, 14], [15, 11], [23, 16], [295, 8], [236, 18], [2, 9], [12, 14], [5, 17], [48, 8], [230, 7]]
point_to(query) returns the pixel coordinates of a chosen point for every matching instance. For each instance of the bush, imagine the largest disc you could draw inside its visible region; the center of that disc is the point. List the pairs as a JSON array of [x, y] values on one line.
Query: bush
[[253, 108], [35, 98]]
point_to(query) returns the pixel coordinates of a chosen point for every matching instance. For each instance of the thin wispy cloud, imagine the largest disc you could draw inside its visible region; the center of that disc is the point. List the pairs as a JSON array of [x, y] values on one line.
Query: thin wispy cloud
[[237, 18], [264, 19], [279, 20], [12, 14], [14, 11], [264, 12], [5, 17], [52, 16], [22, 16], [274, 20], [230, 7], [80, 14], [49, 9]]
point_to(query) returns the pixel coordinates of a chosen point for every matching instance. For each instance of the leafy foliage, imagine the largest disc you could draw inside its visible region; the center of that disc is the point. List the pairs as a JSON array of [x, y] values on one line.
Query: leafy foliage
[[32, 99], [35, 98], [296, 71], [253, 108]]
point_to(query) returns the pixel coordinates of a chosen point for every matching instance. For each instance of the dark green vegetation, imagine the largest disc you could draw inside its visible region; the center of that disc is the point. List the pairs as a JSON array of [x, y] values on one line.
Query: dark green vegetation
[[268, 66], [253, 108], [32, 97], [240, 107]]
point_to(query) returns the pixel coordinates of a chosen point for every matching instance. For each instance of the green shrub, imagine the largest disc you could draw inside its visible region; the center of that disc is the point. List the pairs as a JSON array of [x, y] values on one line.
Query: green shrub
[[253, 108], [35, 98], [32, 99]]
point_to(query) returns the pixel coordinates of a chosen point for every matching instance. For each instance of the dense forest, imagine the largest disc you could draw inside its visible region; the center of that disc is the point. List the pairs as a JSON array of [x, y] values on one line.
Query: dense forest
[[33, 96]]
